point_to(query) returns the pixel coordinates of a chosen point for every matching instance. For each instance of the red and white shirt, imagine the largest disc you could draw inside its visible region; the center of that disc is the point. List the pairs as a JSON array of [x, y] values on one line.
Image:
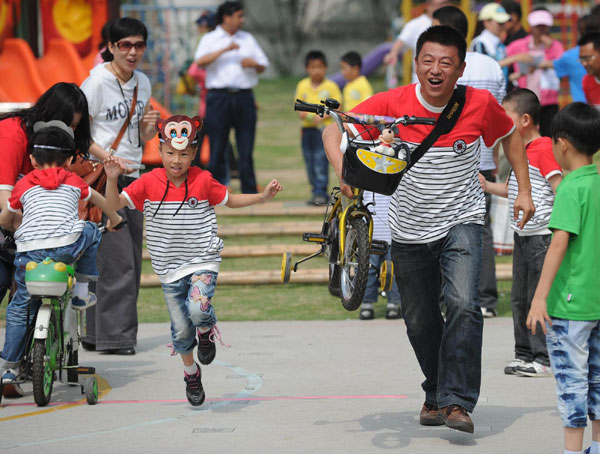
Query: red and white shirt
[[591, 88], [182, 233], [442, 189], [13, 153], [542, 166], [49, 200]]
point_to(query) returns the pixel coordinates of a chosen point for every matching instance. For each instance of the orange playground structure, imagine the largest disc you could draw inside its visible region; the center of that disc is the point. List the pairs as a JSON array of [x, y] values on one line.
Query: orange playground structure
[[23, 77]]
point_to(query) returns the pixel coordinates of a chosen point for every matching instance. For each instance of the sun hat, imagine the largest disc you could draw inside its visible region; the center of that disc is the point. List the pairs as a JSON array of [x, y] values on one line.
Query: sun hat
[[540, 17], [495, 12]]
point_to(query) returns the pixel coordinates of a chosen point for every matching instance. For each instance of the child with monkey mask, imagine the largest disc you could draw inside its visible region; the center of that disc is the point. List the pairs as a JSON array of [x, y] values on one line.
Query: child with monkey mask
[[178, 203]]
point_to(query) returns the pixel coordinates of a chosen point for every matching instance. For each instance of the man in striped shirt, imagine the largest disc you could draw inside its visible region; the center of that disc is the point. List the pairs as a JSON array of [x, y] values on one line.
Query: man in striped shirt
[[436, 217], [483, 72]]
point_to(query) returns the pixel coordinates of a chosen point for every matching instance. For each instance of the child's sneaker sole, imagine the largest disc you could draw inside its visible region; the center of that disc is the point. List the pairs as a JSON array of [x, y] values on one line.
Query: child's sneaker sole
[[207, 350]]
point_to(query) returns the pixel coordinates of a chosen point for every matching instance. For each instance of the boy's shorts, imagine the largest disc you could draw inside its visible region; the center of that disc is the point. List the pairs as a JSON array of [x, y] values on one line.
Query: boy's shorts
[[574, 351], [189, 304]]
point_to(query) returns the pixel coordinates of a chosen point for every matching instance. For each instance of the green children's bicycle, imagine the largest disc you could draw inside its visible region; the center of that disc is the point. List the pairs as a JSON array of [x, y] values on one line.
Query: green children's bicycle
[[53, 340]]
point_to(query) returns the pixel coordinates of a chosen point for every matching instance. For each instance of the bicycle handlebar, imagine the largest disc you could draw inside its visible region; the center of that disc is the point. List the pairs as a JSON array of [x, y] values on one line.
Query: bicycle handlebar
[[301, 106], [362, 119]]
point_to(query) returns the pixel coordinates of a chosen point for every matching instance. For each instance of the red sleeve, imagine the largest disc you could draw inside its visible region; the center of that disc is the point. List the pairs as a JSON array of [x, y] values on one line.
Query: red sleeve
[[14, 201], [216, 191], [548, 164], [375, 105], [13, 146], [136, 193], [496, 124], [76, 181], [585, 85]]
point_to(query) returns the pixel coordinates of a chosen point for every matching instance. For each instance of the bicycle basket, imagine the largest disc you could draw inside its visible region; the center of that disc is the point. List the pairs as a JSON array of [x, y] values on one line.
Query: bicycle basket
[[363, 167]]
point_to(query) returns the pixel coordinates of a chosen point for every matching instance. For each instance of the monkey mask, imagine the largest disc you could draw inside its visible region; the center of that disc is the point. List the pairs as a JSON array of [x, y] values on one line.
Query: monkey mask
[[179, 131]]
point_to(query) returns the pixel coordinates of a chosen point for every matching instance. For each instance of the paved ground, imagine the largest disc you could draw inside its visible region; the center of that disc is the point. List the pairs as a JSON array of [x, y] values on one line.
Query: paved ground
[[285, 387]]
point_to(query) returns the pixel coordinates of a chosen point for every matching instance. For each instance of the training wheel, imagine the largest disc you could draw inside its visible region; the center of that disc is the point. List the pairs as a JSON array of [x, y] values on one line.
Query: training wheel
[[386, 275], [286, 267], [91, 390]]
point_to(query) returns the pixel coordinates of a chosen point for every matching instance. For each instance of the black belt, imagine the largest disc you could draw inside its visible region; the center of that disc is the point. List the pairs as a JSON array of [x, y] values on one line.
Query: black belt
[[231, 90]]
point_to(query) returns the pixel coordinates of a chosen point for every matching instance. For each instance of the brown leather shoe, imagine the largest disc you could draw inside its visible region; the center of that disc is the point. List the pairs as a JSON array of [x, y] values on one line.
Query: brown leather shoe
[[430, 415], [456, 417]]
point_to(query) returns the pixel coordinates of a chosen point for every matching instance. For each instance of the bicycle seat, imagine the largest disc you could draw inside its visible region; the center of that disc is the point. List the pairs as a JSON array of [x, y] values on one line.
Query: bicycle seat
[[48, 278]]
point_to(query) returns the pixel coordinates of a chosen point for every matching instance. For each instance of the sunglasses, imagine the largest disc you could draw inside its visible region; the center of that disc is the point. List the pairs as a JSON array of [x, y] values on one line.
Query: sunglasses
[[125, 46]]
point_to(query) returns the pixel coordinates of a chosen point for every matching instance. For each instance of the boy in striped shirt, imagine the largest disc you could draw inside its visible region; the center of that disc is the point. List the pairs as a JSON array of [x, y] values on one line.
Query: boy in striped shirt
[[532, 241], [181, 231], [50, 227]]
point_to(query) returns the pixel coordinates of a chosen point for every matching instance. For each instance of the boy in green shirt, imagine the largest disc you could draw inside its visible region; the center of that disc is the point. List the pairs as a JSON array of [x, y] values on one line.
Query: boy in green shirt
[[566, 301], [314, 88]]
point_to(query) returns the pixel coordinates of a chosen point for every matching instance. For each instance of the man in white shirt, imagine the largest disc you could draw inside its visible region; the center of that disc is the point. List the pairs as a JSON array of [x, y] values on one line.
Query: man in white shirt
[[407, 39], [482, 72], [233, 59]]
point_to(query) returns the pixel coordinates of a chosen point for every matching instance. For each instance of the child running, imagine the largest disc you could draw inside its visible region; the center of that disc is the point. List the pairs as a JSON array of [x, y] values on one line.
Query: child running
[[566, 301], [48, 197], [181, 226], [531, 242]]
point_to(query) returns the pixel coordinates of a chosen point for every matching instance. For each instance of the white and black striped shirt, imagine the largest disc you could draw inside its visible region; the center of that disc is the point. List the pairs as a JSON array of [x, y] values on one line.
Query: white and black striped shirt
[[442, 189], [181, 232], [49, 199], [542, 166]]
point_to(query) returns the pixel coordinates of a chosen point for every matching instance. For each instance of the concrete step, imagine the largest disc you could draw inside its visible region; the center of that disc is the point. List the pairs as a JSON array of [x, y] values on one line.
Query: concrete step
[[311, 276], [268, 229], [278, 208], [306, 275], [261, 250]]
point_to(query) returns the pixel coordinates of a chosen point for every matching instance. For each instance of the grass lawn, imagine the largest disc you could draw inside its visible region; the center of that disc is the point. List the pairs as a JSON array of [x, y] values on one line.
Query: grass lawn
[[277, 155]]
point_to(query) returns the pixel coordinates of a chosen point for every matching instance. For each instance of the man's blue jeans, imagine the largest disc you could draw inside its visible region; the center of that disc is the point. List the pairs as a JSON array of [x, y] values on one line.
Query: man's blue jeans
[[82, 253], [449, 352]]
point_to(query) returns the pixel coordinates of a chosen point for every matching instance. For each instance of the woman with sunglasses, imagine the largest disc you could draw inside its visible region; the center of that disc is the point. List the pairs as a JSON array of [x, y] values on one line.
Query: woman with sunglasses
[[110, 89]]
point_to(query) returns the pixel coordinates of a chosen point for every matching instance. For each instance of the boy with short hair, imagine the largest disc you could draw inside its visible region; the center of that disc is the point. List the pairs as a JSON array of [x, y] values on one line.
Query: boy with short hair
[[48, 197], [357, 88], [566, 301], [178, 203], [531, 242], [313, 89]]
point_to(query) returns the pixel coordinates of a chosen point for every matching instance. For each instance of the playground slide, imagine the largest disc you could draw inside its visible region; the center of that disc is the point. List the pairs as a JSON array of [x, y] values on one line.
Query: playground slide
[[370, 63], [23, 78], [20, 80]]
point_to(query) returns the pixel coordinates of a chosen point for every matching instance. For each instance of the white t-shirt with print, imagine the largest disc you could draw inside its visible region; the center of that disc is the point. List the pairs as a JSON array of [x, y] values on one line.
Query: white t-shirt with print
[[109, 103]]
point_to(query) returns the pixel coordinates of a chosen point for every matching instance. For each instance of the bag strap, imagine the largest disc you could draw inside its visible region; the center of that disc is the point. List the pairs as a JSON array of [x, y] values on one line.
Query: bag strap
[[115, 144], [444, 124]]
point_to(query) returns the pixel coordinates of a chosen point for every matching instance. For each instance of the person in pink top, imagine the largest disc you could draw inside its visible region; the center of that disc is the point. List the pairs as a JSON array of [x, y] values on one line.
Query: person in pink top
[[538, 46]]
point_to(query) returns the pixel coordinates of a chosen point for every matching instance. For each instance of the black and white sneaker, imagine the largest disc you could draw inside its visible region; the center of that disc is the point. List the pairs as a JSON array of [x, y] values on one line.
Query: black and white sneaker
[[194, 390], [206, 347]]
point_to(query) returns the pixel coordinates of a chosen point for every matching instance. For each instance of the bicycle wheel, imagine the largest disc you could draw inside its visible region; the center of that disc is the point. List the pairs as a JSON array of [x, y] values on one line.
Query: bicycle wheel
[[354, 273], [91, 390], [43, 372], [72, 360], [334, 280]]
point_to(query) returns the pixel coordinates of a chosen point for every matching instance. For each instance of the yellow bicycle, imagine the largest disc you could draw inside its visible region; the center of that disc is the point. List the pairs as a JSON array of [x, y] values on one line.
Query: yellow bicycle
[[346, 236]]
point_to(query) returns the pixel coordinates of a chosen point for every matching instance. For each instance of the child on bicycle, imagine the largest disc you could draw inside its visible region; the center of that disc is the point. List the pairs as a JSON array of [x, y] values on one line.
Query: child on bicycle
[[531, 242], [50, 227], [313, 89], [357, 87], [178, 203], [565, 302]]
